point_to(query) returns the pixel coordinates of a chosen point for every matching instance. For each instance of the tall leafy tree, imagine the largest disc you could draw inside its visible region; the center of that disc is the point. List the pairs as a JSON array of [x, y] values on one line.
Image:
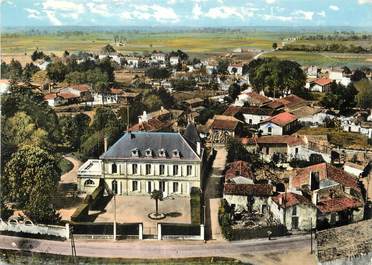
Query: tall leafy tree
[[56, 71], [31, 171]]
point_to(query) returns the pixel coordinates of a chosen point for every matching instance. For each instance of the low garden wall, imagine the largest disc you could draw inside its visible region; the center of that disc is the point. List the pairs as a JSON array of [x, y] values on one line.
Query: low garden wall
[[28, 227]]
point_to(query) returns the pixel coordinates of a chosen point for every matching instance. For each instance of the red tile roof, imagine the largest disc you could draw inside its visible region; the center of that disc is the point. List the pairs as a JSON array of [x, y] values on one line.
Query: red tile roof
[[238, 168], [116, 91], [232, 111], [291, 101], [323, 81], [81, 87], [326, 171], [260, 190], [50, 96], [282, 119], [280, 139], [224, 122], [275, 104], [67, 95], [290, 199], [338, 204], [152, 125], [258, 98]]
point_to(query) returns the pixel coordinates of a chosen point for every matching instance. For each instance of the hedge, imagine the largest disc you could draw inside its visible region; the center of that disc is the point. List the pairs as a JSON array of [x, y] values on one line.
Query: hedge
[[93, 228], [195, 206], [127, 229], [180, 229]]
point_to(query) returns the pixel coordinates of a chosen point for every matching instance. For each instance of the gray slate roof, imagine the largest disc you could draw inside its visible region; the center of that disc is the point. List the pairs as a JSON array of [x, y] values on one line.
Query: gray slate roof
[[155, 141]]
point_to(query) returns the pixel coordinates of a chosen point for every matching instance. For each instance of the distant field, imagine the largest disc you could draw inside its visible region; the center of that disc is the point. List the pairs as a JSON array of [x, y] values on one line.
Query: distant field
[[200, 44], [190, 42], [324, 59]]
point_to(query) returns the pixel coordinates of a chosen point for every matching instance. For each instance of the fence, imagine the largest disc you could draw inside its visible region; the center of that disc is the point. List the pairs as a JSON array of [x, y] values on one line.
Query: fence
[[259, 232], [28, 227], [106, 230], [180, 231]]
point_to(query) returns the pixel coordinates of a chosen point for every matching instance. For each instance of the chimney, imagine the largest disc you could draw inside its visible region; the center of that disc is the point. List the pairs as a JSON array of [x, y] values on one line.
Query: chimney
[[314, 198], [161, 109], [105, 144], [280, 200], [347, 190], [198, 148]]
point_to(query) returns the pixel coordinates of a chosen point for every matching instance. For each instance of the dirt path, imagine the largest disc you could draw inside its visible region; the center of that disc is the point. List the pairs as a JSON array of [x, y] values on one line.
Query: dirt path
[[71, 176]]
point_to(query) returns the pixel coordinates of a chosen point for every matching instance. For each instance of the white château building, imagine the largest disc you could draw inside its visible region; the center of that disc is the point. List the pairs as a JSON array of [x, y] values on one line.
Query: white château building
[[140, 162]]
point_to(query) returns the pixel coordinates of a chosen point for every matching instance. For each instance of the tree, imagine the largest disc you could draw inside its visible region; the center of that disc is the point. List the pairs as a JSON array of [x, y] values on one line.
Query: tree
[[357, 75], [340, 97], [275, 45], [364, 96], [157, 73], [29, 70], [157, 195], [222, 66], [37, 55], [31, 171], [234, 91], [66, 54], [237, 151], [5, 212], [152, 102], [56, 71], [108, 49], [277, 77], [41, 210]]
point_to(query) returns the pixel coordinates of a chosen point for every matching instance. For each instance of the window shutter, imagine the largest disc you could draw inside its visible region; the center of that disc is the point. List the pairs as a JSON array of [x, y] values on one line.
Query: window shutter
[[139, 185], [170, 186]]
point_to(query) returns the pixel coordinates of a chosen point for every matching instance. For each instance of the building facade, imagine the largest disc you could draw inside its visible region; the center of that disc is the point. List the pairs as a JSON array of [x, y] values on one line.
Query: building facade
[[141, 162]]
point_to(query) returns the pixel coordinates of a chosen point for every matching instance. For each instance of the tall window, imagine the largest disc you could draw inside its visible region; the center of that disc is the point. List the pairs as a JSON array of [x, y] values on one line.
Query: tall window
[[162, 186], [269, 130], [135, 185], [149, 187], [175, 170], [114, 187], [148, 169], [134, 168], [189, 170], [175, 186], [161, 169], [114, 169]]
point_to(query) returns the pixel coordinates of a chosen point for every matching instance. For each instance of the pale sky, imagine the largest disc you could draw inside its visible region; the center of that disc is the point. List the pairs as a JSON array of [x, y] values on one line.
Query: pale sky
[[206, 13]]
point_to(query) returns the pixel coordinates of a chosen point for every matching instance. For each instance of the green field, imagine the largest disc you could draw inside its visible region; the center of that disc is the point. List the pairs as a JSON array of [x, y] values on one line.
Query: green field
[[200, 44], [324, 59], [190, 42]]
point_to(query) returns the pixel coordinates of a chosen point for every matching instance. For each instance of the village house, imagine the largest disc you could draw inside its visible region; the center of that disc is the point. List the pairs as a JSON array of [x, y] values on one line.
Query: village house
[[140, 162], [291, 102], [280, 124], [81, 92], [174, 60], [322, 85], [339, 76], [132, 61], [293, 210], [253, 116], [158, 57], [310, 115], [194, 104], [4, 86], [335, 193], [312, 71], [54, 99], [235, 69], [153, 122], [89, 175], [241, 191], [252, 99], [223, 127]]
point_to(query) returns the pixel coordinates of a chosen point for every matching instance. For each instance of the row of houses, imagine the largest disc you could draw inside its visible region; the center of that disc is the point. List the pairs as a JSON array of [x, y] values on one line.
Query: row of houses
[[319, 196]]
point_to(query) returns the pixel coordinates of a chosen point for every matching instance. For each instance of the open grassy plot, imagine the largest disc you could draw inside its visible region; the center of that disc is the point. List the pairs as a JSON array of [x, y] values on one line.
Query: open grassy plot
[[324, 59]]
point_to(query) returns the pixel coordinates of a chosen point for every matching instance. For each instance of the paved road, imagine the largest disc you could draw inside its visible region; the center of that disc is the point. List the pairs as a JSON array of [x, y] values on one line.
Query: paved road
[[156, 249]]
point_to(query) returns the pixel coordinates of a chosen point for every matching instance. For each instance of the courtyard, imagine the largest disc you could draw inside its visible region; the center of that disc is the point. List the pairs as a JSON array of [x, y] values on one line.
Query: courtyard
[[135, 209]]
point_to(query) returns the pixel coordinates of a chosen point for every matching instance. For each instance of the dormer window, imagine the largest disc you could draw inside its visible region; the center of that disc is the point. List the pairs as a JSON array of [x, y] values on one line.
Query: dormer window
[[176, 153], [148, 152], [135, 152], [162, 153]]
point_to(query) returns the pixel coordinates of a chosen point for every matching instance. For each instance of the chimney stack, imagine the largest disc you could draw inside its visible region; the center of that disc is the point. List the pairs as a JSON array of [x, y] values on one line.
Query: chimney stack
[[198, 148], [314, 198]]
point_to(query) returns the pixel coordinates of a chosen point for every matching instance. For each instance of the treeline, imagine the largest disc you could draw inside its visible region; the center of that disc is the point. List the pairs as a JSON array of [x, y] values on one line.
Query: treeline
[[337, 37], [16, 72], [334, 47]]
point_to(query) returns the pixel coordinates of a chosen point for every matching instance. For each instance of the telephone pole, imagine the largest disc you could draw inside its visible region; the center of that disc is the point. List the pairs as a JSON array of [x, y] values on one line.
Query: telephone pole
[[73, 248]]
